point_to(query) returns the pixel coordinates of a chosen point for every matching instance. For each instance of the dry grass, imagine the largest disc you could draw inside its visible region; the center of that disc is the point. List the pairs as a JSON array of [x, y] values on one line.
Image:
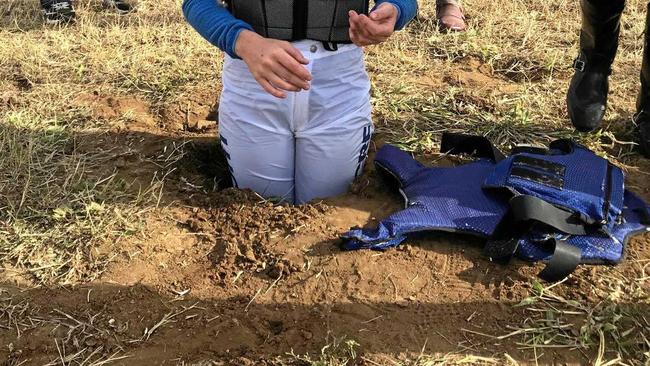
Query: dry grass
[[528, 48], [54, 216], [505, 78], [617, 328]]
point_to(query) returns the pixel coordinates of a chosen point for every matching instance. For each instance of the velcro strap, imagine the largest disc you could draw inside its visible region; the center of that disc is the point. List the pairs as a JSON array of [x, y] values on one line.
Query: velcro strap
[[519, 149], [564, 261], [503, 243], [501, 250], [477, 146], [524, 212], [527, 208]]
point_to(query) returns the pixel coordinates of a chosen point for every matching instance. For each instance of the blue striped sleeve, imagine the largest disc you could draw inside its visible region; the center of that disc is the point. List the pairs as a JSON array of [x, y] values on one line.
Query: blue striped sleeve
[[406, 11], [214, 23]]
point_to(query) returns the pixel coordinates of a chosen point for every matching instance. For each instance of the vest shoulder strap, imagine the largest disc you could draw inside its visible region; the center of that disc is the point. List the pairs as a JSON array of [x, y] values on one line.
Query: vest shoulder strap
[[476, 146], [399, 164]]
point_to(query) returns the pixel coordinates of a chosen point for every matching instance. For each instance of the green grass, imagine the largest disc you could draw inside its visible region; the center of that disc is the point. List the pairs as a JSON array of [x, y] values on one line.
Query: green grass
[[52, 216]]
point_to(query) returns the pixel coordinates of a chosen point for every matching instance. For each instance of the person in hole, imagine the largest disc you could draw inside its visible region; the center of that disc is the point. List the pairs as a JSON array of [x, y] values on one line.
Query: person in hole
[[294, 114]]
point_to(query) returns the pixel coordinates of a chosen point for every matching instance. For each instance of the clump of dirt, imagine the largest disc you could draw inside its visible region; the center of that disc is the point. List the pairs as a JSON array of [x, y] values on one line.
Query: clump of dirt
[[125, 113], [10, 96], [197, 113], [478, 76], [245, 227]]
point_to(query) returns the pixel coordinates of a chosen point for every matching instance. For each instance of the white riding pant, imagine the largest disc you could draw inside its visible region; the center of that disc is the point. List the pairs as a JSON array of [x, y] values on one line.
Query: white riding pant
[[309, 145]]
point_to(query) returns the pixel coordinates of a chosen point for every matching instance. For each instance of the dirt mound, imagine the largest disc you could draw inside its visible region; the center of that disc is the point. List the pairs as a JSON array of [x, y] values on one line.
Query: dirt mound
[[196, 113], [241, 280], [125, 112], [243, 225]]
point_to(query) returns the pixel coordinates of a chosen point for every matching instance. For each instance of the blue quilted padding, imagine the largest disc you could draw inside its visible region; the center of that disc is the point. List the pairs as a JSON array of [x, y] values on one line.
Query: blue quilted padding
[[596, 247], [442, 198], [464, 199], [584, 183]]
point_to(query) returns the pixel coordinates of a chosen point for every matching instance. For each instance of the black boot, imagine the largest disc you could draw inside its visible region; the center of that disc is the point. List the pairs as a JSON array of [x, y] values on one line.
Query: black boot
[[587, 96], [642, 117]]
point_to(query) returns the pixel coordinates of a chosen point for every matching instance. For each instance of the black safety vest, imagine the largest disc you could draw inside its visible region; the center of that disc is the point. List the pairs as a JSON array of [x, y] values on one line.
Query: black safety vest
[[293, 20]]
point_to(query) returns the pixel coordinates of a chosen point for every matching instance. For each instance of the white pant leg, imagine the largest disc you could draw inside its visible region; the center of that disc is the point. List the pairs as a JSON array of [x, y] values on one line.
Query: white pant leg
[[332, 145], [325, 130], [256, 135]]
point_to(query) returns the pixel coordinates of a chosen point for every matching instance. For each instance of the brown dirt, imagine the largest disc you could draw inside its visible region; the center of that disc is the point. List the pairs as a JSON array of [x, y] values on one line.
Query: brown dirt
[[241, 280]]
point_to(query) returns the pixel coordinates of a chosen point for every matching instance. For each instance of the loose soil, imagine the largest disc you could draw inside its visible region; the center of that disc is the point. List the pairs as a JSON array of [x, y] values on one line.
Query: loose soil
[[221, 274]]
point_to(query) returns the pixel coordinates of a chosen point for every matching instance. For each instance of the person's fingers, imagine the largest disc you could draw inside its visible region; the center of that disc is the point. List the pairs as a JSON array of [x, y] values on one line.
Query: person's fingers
[[362, 27], [383, 12], [271, 89], [361, 41], [289, 62], [290, 77], [361, 38], [354, 19], [354, 28], [295, 53], [373, 28], [279, 83], [357, 39]]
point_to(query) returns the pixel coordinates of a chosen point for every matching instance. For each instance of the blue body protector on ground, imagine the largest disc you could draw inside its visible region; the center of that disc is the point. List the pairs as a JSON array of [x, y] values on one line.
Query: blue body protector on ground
[[564, 205]]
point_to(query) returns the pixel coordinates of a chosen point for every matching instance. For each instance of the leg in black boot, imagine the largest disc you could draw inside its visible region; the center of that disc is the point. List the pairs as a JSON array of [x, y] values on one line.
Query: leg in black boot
[[587, 96], [642, 117]]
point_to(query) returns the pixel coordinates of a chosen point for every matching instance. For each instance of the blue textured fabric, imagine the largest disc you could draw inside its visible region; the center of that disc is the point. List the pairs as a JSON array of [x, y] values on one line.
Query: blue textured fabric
[[473, 199], [450, 199], [597, 247], [214, 23], [584, 183]]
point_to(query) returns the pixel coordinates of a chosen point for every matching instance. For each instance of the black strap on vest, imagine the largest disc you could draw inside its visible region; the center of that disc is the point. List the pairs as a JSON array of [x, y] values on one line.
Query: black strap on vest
[[503, 243], [331, 46], [525, 212], [477, 146], [300, 15], [529, 149], [564, 260], [530, 208]]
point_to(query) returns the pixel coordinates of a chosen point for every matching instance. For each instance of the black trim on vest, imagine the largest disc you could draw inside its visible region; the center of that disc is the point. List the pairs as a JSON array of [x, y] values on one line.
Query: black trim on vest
[[266, 20], [564, 145], [333, 23], [529, 149], [564, 260], [608, 192], [546, 179], [477, 146], [300, 16]]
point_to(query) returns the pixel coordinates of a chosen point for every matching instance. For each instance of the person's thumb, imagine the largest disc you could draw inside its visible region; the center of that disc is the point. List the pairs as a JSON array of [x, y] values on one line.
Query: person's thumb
[[383, 12]]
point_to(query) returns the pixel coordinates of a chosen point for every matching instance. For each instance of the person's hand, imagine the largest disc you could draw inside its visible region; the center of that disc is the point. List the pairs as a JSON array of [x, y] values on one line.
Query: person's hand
[[374, 28], [276, 65]]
